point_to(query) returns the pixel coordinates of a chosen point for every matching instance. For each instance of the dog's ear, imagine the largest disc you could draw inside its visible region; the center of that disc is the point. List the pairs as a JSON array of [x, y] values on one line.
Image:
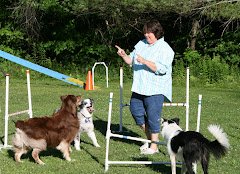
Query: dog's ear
[[63, 97], [82, 104], [176, 120], [91, 100], [79, 98], [162, 120]]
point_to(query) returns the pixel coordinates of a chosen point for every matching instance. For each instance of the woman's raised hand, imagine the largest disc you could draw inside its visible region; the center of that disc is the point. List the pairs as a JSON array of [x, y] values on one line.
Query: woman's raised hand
[[120, 52]]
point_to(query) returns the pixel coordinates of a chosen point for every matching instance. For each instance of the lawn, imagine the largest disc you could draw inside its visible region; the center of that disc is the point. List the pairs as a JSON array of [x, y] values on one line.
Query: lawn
[[219, 106]]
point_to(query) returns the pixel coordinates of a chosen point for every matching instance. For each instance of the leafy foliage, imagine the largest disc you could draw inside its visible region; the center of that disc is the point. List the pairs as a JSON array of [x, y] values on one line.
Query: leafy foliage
[[69, 36]]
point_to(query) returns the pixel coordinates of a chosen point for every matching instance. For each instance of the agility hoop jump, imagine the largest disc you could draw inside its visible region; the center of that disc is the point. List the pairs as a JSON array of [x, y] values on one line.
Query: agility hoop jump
[[29, 111], [164, 104], [99, 63]]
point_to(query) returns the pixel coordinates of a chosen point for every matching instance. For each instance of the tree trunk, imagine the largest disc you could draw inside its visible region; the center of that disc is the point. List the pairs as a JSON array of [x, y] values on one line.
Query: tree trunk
[[194, 34]]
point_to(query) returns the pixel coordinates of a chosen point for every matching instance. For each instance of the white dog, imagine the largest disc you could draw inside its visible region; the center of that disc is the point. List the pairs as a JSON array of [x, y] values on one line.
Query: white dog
[[191, 147], [86, 122]]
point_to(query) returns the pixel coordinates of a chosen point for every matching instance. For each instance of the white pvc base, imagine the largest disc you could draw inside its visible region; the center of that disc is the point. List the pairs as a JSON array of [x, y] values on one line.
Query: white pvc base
[[5, 147]]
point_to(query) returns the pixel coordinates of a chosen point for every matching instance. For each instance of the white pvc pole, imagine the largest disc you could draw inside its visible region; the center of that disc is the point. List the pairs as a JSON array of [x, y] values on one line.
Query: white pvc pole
[[6, 111], [136, 139], [29, 95], [93, 74], [18, 113], [110, 112], [198, 126], [108, 132], [106, 74], [141, 162], [187, 101], [199, 112], [174, 104], [164, 104], [121, 88]]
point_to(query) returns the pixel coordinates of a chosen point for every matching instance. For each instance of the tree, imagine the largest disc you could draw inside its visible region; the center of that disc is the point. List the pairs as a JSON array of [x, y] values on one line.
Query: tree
[[119, 18], [25, 14], [67, 26], [202, 13]]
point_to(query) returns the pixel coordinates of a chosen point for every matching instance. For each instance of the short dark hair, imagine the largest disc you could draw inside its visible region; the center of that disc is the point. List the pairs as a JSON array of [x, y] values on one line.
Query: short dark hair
[[153, 26]]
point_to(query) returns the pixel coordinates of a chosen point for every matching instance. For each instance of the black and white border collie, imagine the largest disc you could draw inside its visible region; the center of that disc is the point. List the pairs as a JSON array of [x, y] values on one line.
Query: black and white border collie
[[191, 147]]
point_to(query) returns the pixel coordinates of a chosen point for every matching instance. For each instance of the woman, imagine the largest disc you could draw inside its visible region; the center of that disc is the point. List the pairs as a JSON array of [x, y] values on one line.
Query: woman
[[152, 81]]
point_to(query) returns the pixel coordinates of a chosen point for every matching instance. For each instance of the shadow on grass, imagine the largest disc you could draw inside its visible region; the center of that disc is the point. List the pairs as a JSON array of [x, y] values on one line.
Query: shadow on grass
[[162, 168], [94, 158], [2, 138], [101, 126], [49, 152]]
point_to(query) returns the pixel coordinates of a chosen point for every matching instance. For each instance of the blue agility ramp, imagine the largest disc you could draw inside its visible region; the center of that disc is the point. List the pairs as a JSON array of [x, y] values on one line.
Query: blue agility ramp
[[41, 69]]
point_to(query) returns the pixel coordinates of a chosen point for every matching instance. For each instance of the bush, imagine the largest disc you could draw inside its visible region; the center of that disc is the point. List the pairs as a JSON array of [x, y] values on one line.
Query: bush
[[205, 70]]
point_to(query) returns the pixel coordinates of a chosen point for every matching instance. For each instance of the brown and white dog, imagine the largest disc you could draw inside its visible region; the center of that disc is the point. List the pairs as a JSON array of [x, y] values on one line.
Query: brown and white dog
[[57, 131], [85, 115]]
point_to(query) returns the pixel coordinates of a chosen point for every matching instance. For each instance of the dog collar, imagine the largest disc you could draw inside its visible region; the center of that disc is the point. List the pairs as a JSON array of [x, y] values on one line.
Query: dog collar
[[85, 116], [87, 120]]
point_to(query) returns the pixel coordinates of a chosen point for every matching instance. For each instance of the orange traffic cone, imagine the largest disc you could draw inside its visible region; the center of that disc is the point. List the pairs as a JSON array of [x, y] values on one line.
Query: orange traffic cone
[[89, 84]]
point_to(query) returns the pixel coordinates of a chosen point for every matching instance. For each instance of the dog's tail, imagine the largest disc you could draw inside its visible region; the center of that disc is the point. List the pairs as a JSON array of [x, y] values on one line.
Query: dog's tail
[[18, 140], [22, 141], [218, 147]]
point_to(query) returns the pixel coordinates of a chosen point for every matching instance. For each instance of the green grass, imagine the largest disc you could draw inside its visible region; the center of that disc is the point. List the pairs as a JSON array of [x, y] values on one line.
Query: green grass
[[219, 106]]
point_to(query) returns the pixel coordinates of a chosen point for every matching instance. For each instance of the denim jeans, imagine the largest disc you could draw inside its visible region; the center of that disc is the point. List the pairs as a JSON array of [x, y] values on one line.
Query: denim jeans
[[147, 109]]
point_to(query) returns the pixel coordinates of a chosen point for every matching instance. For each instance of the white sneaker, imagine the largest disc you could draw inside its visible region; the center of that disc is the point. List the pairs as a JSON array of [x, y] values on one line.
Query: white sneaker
[[145, 146], [149, 151]]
